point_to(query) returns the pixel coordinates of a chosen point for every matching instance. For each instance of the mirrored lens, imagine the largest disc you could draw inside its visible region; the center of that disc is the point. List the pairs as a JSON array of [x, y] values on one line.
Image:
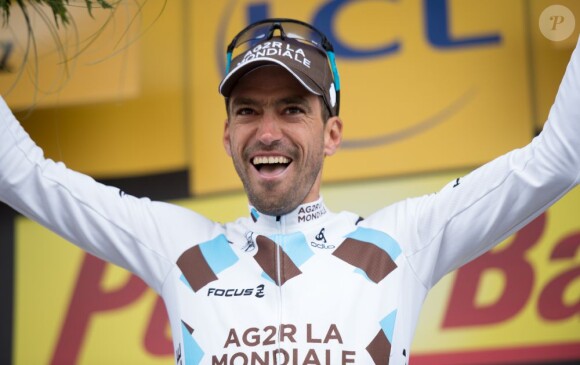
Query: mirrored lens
[[257, 33], [260, 32], [299, 31]]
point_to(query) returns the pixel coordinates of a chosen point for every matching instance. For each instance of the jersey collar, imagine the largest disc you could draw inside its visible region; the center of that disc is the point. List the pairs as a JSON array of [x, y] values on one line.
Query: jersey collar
[[303, 215]]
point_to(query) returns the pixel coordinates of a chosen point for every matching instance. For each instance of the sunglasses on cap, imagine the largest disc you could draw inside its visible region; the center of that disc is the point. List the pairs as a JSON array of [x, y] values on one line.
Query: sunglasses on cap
[[284, 28]]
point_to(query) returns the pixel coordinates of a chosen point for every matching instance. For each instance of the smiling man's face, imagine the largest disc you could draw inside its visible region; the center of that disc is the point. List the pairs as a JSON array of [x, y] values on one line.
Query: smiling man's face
[[277, 139]]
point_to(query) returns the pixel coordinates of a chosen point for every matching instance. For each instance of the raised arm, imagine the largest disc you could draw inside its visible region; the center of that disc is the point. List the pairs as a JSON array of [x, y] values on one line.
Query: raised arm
[[472, 214], [136, 234]]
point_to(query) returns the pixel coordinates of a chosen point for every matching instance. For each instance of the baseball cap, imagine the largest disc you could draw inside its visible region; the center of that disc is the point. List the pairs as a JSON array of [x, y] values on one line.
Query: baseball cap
[[305, 59]]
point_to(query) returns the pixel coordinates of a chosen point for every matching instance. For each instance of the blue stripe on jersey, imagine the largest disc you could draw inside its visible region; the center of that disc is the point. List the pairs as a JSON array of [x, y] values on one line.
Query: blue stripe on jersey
[[192, 353], [296, 247], [218, 254], [388, 325], [255, 214], [378, 238]]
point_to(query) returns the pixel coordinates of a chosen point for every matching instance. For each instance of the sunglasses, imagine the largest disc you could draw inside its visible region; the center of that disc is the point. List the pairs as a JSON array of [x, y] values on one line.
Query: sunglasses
[[284, 28]]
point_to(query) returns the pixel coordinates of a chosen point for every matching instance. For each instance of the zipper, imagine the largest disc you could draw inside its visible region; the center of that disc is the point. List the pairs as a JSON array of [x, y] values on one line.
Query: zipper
[[280, 272]]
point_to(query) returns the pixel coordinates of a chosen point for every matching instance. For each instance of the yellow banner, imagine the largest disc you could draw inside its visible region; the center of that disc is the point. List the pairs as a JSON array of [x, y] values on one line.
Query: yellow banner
[[425, 85], [516, 304]]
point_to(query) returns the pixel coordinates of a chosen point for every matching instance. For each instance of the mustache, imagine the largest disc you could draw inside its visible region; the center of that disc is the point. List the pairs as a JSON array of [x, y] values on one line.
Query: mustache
[[277, 146]]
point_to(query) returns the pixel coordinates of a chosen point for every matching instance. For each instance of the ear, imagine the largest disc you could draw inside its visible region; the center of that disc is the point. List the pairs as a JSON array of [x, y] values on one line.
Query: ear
[[226, 138], [332, 135]]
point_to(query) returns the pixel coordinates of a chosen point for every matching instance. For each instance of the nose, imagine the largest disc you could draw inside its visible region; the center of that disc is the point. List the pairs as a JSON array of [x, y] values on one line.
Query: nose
[[269, 129]]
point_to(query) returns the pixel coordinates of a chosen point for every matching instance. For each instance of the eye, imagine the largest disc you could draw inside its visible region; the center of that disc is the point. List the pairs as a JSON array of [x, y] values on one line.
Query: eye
[[294, 110], [245, 111]]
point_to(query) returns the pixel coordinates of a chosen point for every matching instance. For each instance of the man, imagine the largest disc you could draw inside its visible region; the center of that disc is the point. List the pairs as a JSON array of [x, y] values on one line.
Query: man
[[255, 291]]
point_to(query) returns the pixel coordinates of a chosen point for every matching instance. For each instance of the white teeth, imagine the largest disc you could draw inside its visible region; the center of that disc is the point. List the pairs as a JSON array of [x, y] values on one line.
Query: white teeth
[[262, 160]]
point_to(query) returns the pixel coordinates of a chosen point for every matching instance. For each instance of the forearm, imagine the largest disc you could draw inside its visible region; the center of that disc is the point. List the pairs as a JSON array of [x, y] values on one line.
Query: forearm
[[472, 214]]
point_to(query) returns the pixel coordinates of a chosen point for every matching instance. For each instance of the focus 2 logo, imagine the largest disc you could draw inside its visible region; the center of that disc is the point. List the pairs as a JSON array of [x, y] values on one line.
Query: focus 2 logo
[[258, 292]]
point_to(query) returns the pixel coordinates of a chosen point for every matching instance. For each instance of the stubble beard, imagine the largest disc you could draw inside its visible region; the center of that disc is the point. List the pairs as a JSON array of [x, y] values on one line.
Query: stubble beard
[[268, 199]]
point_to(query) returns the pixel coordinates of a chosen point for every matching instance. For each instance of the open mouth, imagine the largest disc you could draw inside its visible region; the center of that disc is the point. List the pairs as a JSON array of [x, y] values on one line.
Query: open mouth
[[270, 166]]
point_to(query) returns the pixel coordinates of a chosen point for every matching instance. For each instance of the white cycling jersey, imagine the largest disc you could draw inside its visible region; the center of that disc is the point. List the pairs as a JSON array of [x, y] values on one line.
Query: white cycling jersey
[[310, 287]]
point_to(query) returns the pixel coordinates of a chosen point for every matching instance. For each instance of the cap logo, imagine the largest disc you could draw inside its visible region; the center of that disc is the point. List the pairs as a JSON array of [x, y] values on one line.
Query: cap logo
[[268, 49], [332, 94]]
